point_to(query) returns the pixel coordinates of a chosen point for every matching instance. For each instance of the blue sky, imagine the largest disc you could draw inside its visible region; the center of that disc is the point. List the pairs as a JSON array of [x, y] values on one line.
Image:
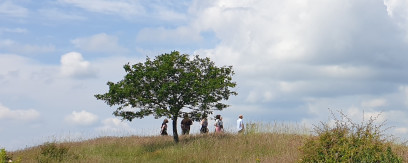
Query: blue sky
[[292, 59]]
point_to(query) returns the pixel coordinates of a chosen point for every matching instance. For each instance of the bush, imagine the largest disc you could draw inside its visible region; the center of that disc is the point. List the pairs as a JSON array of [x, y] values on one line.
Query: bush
[[53, 152], [348, 142], [3, 156]]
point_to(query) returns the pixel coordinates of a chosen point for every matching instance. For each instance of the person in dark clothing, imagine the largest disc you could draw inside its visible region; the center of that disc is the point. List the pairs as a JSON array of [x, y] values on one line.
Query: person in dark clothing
[[185, 125], [204, 124], [163, 130]]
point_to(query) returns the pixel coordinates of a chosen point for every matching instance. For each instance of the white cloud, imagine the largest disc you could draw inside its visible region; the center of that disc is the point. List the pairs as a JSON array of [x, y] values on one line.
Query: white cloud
[[357, 115], [166, 14], [57, 14], [126, 8], [298, 58], [252, 97], [8, 8], [13, 30], [374, 103], [30, 49], [302, 48], [180, 35], [292, 59], [401, 130], [73, 65], [21, 76], [115, 126], [268, 96], [18, 48], [23, 115], [285, 32], [260, 96], [168, 11], [404, 93], [101, 43], [398, 10], [6, 43], [81, 118], [392, 119]]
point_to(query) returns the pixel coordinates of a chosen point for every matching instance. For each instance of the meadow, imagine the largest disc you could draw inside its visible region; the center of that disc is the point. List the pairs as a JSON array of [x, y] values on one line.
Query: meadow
[[276, 142]]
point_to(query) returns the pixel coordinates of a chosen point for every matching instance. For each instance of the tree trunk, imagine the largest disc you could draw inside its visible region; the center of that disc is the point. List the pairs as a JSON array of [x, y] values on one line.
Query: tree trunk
[[175, 134]]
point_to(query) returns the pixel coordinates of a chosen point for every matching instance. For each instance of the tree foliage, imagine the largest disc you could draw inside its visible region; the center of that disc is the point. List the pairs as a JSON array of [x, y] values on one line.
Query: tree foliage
[[170, 85]]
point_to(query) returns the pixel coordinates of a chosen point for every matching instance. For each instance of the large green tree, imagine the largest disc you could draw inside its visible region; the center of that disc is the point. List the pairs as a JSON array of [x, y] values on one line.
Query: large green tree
[[170, 86]]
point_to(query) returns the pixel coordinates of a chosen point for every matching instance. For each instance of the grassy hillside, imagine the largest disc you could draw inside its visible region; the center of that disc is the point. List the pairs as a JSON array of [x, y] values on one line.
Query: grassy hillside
[[266, 147], [262, 143]]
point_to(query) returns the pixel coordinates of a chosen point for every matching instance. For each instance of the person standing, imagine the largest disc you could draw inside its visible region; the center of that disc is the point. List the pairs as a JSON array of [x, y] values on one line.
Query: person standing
[[185, 125], [204, 124], [163, 130], [219, 125], [240, 124]]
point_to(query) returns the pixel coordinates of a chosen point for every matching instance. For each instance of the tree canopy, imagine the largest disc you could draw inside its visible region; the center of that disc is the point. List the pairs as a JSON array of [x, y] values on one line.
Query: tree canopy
[[170, 86]]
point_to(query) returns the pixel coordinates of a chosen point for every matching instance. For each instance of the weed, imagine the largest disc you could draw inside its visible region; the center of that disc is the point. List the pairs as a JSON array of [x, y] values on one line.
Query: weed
[[348, 142], [51, 152], [3, 156]]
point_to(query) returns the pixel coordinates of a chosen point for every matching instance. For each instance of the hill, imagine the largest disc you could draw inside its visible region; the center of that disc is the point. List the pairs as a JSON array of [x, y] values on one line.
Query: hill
[[265, 147], [261, 143]]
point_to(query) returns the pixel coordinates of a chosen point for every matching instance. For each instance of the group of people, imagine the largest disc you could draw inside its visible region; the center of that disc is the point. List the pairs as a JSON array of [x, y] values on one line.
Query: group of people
[[219, 125]]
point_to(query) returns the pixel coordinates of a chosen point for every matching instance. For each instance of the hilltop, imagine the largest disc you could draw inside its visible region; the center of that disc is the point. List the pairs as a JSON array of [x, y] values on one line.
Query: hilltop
[[265, 147], [261, 143]]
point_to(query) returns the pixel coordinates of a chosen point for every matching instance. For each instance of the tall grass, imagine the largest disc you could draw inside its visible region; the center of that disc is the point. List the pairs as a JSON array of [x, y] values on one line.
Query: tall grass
[[263, 142], [277, 128], [194, 148]]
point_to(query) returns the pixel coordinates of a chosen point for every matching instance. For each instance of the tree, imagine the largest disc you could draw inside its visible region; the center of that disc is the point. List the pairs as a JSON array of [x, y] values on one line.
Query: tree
[[169, 86]]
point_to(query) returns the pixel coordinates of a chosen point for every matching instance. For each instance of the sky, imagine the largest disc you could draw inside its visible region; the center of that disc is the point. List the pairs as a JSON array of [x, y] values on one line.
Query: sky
[[292, 59]]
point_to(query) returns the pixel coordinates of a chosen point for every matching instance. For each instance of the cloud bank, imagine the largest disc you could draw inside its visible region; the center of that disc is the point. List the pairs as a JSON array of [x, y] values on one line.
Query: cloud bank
[[8, 8], [18, 115]]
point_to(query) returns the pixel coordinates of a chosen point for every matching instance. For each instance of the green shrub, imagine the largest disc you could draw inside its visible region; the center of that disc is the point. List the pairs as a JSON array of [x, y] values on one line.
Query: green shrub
[[53, 152], [348, 142], [3, 156]]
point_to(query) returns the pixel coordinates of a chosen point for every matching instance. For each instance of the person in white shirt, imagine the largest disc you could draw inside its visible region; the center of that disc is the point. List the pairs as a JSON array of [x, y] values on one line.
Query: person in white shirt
[[240, 124]]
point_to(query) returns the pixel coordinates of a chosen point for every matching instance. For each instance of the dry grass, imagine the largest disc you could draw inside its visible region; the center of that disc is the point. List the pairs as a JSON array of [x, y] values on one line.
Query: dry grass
[[196, 148], [276, 144]]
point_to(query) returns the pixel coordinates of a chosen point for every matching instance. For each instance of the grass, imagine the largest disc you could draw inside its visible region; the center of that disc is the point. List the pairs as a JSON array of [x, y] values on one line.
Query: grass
[[262, 143], [195, 148]]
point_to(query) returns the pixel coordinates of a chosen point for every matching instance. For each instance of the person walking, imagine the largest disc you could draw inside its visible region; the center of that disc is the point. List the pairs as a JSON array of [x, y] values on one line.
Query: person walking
[[204, 124], [219, 125], [163, 130], [240, 124], [185, 125]]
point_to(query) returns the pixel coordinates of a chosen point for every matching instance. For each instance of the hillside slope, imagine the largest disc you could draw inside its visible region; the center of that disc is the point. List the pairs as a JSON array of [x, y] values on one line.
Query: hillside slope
[[265, 147]]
